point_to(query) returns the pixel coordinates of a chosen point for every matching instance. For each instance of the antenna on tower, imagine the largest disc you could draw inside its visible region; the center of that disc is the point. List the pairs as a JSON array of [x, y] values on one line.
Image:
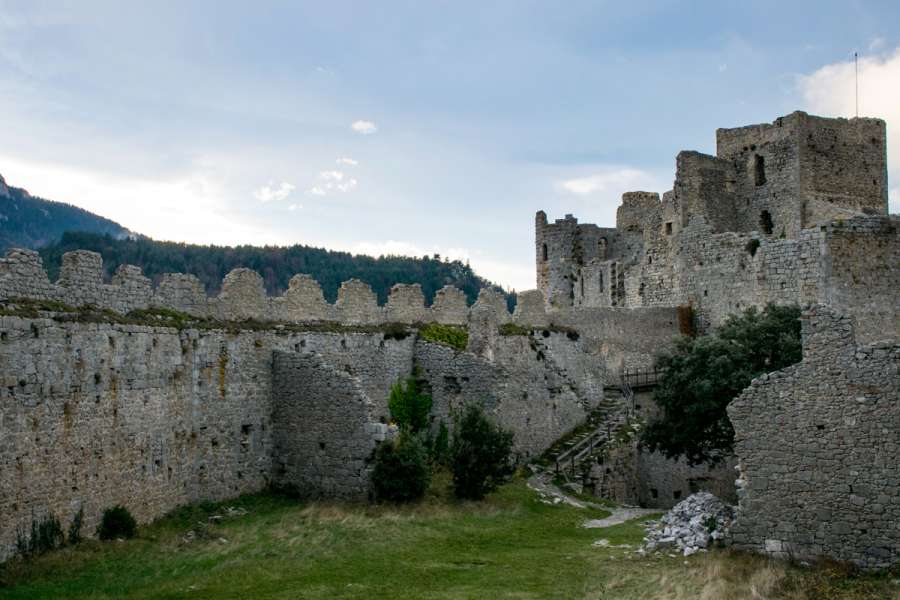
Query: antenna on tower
[[856, 69]]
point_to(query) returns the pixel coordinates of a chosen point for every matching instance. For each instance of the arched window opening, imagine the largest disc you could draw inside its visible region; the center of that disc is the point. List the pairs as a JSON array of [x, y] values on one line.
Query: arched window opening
[[765, 222], [601, 248], [759, 169], [544, 252]]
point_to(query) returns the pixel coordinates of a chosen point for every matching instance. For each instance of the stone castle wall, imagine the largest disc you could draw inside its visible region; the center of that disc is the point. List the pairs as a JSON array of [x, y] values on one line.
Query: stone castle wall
[[97, 414], [818, 445]]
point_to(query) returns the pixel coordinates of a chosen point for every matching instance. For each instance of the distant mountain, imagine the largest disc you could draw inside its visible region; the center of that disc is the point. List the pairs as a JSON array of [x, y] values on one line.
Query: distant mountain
[[276, 265], [29, 222]]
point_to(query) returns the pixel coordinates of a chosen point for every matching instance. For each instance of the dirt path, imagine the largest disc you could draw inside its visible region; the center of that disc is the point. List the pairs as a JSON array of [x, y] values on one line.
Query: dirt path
[[541, 483]]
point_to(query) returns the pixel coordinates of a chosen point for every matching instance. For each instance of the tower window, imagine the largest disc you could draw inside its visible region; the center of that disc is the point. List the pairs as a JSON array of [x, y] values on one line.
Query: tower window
[[601, 249], [759, 169], [765, 222], [669, 228], [544, 252]]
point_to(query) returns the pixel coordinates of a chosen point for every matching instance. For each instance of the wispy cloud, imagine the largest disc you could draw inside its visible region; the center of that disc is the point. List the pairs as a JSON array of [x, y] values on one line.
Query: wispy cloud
[[364, 127], [270, 191], [332, 181], [609, 180], [830, 90], [347, 161]]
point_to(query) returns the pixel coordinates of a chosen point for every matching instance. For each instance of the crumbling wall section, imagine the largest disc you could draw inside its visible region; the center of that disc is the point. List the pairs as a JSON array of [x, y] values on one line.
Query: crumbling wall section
[[818, 450], [325, 428]]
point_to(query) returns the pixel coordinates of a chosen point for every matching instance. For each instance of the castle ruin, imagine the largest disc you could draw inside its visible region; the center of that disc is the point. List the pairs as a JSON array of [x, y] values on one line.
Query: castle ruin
[[118, 405]]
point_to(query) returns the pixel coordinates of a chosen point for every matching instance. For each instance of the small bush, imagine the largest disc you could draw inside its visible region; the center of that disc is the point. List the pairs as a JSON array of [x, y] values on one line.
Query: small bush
[[752, 246], [401, 472], [409, 406], [74, 536], [448, 335], [116, 523], [479, 454]]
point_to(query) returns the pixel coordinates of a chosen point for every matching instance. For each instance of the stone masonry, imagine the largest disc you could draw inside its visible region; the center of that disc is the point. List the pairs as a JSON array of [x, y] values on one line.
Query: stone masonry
[[818, 445]]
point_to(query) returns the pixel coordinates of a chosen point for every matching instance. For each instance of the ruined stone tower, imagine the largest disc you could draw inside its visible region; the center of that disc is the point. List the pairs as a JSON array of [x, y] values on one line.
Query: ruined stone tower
[[767, 188]]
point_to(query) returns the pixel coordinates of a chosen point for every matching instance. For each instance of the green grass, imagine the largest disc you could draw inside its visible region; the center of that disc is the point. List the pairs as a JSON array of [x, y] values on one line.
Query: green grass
[[509, 546]]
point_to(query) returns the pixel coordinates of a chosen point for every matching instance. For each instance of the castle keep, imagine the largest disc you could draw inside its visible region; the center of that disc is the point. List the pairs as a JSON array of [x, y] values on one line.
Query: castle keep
[[160, 395]]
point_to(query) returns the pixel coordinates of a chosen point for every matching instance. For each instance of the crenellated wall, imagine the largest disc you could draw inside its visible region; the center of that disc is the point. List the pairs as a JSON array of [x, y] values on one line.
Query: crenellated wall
[[242, 294]]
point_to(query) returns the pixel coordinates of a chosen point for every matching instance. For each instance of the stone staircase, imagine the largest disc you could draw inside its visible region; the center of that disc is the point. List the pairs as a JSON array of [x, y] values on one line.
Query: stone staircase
[[568, 457]]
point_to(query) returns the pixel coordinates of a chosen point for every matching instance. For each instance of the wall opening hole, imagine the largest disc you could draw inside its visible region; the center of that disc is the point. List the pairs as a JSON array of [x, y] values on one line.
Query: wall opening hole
[[654, 492], [820, 427], [765, 222], [668, 228], [601, 249], [676, 494], [759, 170], [544, 252]]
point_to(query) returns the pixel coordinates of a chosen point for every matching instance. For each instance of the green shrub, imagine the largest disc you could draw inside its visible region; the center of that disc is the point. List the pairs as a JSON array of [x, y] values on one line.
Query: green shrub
[[116, 523], [448, 335], [74, 536], [479, 454], [401, 472], [440, 446], [409, 406]]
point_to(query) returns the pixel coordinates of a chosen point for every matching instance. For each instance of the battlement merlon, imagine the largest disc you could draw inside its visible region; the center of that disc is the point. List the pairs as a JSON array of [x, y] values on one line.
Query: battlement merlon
[[243, 295]]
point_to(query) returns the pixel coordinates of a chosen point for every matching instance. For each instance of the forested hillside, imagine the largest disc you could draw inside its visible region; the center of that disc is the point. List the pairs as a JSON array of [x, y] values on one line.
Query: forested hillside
[[276, 264], [29, 222]]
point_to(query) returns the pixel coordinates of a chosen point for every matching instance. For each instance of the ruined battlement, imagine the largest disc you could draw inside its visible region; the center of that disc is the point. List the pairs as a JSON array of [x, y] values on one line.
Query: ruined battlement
[[243, 295]]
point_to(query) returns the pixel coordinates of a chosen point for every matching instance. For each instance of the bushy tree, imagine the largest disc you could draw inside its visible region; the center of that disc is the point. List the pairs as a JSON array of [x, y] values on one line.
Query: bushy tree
[[401, 472], [479, 454], [409, 406], [702, 375]]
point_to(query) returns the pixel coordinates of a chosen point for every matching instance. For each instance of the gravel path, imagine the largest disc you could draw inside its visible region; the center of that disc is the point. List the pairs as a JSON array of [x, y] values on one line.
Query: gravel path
[[619, 516]]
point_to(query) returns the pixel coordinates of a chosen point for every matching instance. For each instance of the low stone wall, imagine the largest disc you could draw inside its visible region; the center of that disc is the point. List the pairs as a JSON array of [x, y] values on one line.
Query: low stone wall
[[818, 445]]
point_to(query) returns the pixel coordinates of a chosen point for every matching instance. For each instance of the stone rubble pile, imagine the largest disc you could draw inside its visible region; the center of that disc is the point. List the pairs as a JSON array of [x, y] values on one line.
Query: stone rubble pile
[[692, 525]]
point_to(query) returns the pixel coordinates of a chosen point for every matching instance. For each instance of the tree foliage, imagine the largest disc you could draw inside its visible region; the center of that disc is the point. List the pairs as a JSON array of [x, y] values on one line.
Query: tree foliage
[[479, 454], [409, 406], [702, 375]]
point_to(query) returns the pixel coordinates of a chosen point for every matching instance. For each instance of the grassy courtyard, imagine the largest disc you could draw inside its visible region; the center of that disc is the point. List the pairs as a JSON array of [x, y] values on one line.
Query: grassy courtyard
[[509, 546]]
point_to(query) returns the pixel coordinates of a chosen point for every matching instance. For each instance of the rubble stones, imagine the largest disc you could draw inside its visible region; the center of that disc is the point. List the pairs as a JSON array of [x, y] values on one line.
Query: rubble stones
[[693, 524]]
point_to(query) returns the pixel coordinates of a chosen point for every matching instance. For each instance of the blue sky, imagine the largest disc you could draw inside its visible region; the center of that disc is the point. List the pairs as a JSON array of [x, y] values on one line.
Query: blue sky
[[408, 127]]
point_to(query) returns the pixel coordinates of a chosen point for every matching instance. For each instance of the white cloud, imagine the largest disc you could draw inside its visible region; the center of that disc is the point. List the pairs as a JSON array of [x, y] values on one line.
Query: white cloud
[[364, 127], [831, 91], [332, 181], [270, 192], [191, 207], [518, 276], [347, 161], [609, 181], [294, 207]]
